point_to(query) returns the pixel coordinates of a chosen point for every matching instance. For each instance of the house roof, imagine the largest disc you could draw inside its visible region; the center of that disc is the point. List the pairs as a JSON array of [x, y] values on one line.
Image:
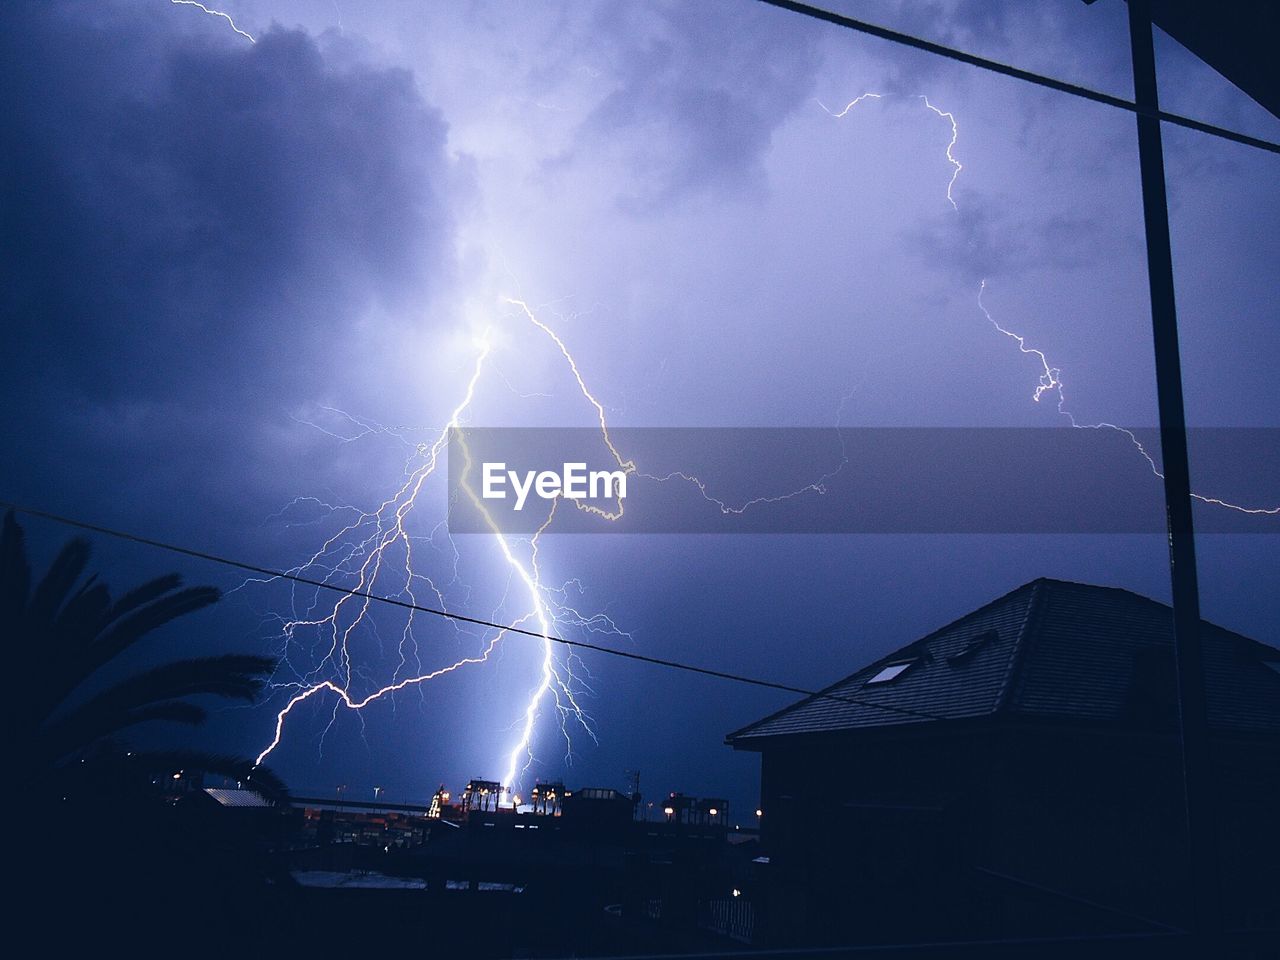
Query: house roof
[[237, 798], [1049, 649]]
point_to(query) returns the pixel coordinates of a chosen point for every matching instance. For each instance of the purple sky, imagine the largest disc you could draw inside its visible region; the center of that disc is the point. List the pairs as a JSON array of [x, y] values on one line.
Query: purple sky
[[242, 273]]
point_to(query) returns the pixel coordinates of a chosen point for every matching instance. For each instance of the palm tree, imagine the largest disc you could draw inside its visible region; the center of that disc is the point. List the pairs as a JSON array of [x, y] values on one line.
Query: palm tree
[[60, 635]]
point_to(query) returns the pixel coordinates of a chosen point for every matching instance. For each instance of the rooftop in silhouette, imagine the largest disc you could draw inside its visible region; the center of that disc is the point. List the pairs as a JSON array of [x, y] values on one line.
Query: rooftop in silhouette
[[1050, 650]]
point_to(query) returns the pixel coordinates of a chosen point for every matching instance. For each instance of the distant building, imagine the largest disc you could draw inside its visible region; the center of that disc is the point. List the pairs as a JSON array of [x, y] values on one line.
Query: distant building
[[576, 872], [1016, 772]]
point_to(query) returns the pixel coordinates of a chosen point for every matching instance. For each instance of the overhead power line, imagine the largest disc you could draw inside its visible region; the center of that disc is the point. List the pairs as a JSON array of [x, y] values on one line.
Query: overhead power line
[[1017, 73], [459, 617]]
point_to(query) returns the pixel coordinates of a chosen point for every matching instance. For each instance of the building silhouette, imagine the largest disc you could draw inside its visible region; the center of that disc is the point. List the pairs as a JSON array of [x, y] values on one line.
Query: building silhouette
[[1017, 773]]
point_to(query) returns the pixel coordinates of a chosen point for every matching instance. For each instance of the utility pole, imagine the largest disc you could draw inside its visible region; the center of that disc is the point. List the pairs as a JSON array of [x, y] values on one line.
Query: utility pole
[[1197, 775]]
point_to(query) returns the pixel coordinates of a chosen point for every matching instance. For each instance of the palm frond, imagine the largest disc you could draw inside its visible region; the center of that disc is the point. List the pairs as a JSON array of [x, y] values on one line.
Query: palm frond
[[141, 596], [236, 676], [239, 676], [63, 630], [15, 573], [131, 628], [81, 618], [81, 729], [54, 587]]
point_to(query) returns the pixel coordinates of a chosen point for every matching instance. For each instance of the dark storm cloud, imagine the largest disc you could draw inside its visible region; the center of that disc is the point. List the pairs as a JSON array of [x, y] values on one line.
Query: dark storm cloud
[[700, 88], [195, 226]]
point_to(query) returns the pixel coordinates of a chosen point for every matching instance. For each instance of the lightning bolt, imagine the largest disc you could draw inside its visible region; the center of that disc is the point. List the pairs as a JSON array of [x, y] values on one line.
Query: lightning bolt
[[373, 537], [627, 466], [1050, 382], [850, 105], [817, 487], [376, 544], [956, 165], [214, 13]]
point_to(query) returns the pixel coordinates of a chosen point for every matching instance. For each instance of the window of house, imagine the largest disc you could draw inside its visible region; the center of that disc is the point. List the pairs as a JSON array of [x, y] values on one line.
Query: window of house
[[973, 646], [889, 673]]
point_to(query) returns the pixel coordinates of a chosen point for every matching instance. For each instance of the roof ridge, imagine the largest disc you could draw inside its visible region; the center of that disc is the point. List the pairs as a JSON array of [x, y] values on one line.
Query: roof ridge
[[932, 635], [1054, 622], [1021, 642]]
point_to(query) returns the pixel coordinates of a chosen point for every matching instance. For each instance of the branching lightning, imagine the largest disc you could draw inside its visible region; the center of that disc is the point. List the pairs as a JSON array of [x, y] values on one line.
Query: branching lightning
[[378, 544], [374, 546], [1051, 383], [817, 487]]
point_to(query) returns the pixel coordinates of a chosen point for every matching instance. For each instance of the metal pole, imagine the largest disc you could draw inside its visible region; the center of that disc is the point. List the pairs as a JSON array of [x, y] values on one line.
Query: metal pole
[[1196, 773]]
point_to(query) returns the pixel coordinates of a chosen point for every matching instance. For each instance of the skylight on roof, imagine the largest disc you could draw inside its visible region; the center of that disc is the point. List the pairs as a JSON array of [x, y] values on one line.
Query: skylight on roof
[[891, 672]]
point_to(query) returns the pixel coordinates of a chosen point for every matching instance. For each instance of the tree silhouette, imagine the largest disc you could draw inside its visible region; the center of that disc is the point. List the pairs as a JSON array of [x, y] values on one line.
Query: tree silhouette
[[60, 634]]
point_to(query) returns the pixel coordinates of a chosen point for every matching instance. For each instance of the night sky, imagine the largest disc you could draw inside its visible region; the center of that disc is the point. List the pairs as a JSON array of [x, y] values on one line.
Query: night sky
[[244, 282]]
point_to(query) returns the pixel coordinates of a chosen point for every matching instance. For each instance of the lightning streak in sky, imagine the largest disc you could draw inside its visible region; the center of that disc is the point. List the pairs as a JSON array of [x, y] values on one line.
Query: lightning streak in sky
[[850, 105], [380, 545], [214, 13], [956, 166], [1051, 382]]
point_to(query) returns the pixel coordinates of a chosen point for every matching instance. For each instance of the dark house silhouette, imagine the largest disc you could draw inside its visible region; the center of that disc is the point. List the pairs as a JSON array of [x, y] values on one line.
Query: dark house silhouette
[[1016, 773]]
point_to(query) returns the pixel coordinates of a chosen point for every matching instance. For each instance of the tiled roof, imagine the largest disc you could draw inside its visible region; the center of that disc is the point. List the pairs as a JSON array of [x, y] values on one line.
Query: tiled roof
[[1048, 649], [237, 798]]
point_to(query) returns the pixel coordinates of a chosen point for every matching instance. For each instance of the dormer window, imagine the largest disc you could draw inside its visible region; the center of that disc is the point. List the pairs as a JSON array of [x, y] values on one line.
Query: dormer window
[[973, 645]]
